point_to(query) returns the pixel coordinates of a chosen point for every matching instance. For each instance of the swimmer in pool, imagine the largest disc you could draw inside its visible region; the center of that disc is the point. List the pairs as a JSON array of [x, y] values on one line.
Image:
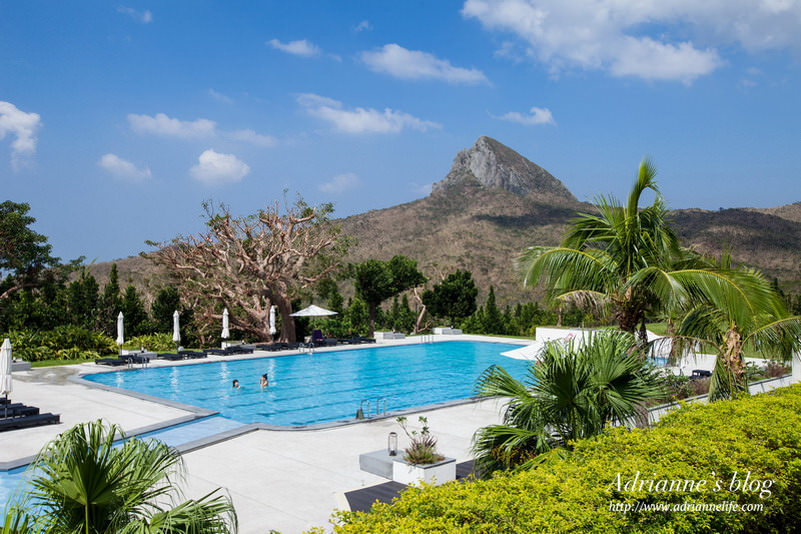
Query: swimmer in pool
[[236, 384], [263, 382]]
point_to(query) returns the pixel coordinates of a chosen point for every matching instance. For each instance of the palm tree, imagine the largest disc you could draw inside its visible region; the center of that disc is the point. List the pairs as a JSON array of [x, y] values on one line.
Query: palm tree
[[572, 392], [82, 483], [730, 324], [628, 259], [600, 253]]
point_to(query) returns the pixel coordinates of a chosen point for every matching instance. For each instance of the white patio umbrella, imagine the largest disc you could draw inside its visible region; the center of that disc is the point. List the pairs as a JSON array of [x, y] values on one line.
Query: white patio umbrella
[[225, 333], [313, 311], [272, 321], [5, 371], [120, 331], [176, 327]]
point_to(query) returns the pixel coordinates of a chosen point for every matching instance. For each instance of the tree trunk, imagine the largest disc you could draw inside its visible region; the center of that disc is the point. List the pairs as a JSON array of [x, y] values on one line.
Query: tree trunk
[[371, 308], [287, 322]]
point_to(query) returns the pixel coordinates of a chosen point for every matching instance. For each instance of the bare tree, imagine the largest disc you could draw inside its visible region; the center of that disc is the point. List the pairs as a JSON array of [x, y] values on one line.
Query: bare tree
[[251, 263]]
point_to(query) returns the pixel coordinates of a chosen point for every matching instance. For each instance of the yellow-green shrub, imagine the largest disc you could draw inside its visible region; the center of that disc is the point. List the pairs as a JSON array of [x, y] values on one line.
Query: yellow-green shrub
[[760, 434]]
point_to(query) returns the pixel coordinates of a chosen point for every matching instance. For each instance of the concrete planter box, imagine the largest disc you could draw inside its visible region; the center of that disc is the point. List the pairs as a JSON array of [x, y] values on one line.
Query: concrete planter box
[[435, 474]]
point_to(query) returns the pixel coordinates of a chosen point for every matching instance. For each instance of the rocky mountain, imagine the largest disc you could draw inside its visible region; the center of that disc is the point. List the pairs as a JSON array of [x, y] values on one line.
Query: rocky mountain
[[496, 166], [493, 203]]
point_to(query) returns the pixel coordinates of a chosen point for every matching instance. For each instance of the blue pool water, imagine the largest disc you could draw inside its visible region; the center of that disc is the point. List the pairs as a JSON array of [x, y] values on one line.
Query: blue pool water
[[326, 386]]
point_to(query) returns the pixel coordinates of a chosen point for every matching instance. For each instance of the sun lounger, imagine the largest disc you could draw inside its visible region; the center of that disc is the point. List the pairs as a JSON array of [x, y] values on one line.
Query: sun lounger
[[229, 351], [17, 410], [114, 362], [192, 354], [170, 356], [14, 423]]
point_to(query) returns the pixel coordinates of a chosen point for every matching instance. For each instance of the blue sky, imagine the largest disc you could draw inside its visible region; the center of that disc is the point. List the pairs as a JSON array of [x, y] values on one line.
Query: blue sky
[[118, 120]]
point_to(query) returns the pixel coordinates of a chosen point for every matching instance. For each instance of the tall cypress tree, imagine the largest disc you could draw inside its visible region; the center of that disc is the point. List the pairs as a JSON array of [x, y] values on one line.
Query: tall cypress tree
[[136, 320], [110, 304]]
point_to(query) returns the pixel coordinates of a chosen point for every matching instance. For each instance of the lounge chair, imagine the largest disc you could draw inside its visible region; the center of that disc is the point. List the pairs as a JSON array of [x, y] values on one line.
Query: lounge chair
[[192, 354], [114, 362], [17, 410], [170, 356], [14, 423]]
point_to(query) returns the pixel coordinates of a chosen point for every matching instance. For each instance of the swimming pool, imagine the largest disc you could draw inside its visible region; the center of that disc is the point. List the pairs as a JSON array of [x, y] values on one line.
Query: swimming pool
[[326, 386]]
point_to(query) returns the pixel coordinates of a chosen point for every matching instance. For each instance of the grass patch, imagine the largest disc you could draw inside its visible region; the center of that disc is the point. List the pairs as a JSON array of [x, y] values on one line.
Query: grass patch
[[55, 363]]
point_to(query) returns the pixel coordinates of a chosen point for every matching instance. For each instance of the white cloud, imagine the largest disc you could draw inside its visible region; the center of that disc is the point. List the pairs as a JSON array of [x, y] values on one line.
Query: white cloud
[[220, 97], [340, 183], [424, 189], [161, 124], [399, 62], [214, 168], [144, 17], [23, 126], [362, 26], [298, 48], [249, 136], [361, 120], [123, 169], [611, 35], [536, 116]]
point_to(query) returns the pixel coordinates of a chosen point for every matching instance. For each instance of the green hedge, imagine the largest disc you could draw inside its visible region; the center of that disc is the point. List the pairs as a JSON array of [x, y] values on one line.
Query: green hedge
[[760, 434]]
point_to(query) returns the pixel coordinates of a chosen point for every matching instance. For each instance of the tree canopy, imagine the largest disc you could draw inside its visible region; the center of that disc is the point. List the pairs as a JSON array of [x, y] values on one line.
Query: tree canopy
[[375, 281], [454, 297], [24, 253], [250, 263]]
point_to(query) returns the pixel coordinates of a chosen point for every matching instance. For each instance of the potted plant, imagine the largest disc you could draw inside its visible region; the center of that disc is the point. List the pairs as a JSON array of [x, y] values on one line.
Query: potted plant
[[421, 462]]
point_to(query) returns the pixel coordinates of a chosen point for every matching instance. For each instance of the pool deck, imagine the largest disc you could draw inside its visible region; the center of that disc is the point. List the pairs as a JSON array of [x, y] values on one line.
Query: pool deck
[[288, 481]]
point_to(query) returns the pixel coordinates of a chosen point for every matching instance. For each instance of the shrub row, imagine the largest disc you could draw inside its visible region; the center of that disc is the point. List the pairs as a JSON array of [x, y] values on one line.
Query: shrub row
[[67, 342], [153, 342], [758, 437]]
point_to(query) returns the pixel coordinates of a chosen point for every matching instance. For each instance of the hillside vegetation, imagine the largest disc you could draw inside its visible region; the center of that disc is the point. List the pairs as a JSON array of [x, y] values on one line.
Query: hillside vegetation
[[494, 202]]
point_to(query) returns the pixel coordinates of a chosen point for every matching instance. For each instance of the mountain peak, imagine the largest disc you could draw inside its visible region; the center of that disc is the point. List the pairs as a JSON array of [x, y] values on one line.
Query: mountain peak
[[495, 165]]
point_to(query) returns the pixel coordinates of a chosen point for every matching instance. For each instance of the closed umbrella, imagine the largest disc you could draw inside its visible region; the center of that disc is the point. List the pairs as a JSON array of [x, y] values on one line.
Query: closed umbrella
[[225, 333], [5, 371], [120, 331], [272, 321], [176, 327]]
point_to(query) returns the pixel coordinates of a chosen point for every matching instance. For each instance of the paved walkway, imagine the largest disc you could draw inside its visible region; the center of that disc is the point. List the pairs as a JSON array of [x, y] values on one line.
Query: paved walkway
[[48, 389], [291, 481]]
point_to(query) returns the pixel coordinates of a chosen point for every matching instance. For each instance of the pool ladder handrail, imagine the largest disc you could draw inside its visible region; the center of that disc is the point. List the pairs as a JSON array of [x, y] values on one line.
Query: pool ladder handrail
[[369, 413], [426, 338]]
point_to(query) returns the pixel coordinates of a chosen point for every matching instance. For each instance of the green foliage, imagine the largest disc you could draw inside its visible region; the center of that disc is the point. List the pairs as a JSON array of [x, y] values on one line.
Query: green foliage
[[357, 318], [110, 303], [401, 318], [158, 342], [454, 297], [167, 301], [422, 449], [63, 342], [375, 281], [133, 310], [24, 253], [81, 482], [573, 391], [571, 492], [82, 300]]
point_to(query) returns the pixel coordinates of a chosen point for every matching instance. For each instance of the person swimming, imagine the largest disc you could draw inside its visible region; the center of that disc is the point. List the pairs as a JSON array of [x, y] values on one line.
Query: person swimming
[[264, 382], [235, 384]]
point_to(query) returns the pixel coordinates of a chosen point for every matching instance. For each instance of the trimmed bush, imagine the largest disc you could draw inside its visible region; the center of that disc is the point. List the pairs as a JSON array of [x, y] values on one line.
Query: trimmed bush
[[153, 342], [758, 437]]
